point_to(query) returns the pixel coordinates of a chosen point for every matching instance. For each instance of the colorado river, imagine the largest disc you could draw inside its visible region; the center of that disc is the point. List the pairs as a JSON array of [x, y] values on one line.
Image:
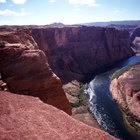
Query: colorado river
[[104, 108]]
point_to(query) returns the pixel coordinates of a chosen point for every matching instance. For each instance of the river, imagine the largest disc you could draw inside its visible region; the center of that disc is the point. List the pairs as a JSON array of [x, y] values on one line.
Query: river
[[105, 110]]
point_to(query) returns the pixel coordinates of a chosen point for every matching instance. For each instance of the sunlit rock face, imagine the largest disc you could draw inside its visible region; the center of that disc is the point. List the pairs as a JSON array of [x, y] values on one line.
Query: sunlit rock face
[[135, 40], [19, 35], [126, 92], [27, 118], [136, 33], [25, 70], [75, 52]]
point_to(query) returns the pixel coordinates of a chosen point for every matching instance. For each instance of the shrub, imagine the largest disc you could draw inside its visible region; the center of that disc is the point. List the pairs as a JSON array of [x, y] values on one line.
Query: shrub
[[2, 44], [119, 72], [82, 96]]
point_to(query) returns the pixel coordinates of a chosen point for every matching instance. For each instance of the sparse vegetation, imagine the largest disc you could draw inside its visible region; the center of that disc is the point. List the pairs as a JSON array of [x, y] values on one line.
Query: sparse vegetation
[[2, 44], [82, 97], [76, 94], [131, 119], [119, 72]]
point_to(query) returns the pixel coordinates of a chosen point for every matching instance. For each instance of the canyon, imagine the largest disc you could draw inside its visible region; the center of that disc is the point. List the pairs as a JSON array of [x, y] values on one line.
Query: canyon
[[32, 59]]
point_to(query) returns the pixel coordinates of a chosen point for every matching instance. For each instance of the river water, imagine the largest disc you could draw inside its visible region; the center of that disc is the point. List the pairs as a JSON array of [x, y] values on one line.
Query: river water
[[104, 108]]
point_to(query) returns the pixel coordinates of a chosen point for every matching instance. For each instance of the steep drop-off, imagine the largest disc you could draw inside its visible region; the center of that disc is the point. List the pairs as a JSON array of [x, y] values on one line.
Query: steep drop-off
[[26, 71], [125, 90], [76, 52]]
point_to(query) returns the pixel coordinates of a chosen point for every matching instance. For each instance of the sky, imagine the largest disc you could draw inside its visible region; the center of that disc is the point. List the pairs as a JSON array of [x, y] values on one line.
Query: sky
[[43, 12]]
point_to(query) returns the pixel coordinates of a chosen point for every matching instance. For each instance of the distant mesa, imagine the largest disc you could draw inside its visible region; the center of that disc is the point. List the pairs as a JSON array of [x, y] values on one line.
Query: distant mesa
[[112, 23], [57, 24]]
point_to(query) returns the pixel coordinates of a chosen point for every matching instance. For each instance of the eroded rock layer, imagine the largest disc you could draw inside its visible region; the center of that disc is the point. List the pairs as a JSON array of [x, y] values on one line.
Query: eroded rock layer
[[26, 71], [27, 118], [75, 52], [126, 92]]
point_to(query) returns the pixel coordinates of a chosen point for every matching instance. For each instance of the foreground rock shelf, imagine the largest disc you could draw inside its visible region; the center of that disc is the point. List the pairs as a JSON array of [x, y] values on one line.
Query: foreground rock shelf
[[27, 118]]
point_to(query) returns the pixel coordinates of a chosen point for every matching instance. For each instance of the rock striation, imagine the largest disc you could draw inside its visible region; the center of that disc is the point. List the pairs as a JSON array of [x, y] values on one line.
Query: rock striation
[[26, 71], [75, 52], [27, 118], [126, 92]]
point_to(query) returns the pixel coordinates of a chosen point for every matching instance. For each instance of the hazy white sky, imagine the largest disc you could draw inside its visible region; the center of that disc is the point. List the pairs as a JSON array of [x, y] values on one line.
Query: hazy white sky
[[42, 12]]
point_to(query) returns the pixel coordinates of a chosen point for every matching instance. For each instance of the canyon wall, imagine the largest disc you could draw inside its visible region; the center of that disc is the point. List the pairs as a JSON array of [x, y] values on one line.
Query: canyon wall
[[25, 70], [76, 52], [125, 90]]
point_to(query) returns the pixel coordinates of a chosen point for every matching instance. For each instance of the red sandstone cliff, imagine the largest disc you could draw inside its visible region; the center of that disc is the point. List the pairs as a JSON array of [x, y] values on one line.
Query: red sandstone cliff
[[75, 52], [26, 71], [27, 118], [126, 92]]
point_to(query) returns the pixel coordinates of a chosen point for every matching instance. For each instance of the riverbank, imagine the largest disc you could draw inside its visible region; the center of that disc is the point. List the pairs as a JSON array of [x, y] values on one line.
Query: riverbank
[[129, 124], [80, 106], [131, 121]]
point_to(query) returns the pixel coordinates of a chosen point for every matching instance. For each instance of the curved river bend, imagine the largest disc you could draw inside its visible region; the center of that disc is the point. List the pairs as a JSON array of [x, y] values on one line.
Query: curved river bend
[[104, 108]]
